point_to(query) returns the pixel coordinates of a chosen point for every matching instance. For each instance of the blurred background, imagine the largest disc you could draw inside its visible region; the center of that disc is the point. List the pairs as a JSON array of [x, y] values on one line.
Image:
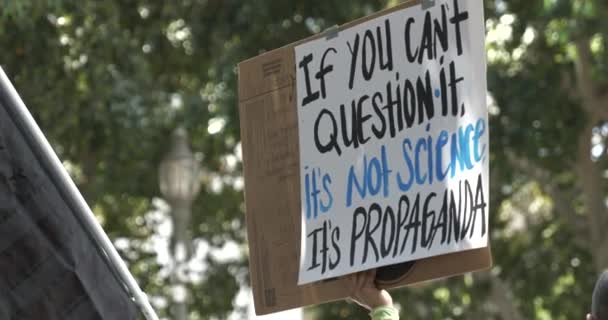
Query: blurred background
[[110, 81]]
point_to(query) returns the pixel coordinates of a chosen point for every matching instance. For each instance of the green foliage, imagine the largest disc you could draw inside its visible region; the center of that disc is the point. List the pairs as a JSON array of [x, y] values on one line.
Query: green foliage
[[109, 80]]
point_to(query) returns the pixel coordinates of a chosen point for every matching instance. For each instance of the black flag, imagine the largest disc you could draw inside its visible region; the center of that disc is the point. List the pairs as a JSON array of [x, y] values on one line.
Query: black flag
[[52, 266]]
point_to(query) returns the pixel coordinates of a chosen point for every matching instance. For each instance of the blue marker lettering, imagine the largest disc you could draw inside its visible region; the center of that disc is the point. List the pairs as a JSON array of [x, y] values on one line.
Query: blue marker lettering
[[405, 186], [419, 145], [480, 129], [330, 198], [353, 180], [441, 142]]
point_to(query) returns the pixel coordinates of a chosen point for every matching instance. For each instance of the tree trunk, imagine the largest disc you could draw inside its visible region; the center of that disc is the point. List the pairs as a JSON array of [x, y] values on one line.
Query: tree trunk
[[590, 175], [590, 171]]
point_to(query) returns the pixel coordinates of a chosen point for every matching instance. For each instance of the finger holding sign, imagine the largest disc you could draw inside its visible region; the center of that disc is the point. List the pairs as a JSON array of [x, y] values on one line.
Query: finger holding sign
[[367, 294]]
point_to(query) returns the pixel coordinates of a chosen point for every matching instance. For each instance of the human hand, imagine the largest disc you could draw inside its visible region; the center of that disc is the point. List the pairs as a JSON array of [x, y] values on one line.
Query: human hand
[[365, 292]]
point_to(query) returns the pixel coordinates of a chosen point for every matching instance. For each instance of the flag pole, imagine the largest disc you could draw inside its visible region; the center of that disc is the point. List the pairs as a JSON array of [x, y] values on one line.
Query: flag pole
[[38, 139]]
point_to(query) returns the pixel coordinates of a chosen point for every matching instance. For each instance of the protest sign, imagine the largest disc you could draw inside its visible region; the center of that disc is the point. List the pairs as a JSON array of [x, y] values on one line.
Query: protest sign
[[393, 140], [310, 132]]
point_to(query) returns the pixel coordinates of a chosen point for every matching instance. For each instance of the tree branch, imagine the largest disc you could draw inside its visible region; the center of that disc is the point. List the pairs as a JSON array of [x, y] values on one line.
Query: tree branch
[[590, 178], [501, 297], [592, 102], [562, 200], [567, 86], [596, 105]]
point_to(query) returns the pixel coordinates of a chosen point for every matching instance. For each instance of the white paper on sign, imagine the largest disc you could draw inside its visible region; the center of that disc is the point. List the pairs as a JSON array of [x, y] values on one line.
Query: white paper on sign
[[394, 144]]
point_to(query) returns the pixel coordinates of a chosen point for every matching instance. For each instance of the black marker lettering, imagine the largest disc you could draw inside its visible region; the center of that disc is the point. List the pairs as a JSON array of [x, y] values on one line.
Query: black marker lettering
[[310, 96]]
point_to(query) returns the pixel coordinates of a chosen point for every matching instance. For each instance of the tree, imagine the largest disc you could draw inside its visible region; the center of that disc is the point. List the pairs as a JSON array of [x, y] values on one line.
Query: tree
[[108, 81], [547, 84]]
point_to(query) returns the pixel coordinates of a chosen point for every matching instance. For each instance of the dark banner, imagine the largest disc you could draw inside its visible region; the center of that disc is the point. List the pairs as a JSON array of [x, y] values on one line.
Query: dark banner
[[50, 267]]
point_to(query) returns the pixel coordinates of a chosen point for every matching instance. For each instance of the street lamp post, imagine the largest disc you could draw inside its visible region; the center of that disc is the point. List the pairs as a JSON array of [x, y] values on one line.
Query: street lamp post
[[179, 176]]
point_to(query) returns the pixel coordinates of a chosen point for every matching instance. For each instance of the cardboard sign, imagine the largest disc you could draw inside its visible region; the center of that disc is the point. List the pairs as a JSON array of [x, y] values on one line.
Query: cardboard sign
[[393, 140], [276, 212]]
